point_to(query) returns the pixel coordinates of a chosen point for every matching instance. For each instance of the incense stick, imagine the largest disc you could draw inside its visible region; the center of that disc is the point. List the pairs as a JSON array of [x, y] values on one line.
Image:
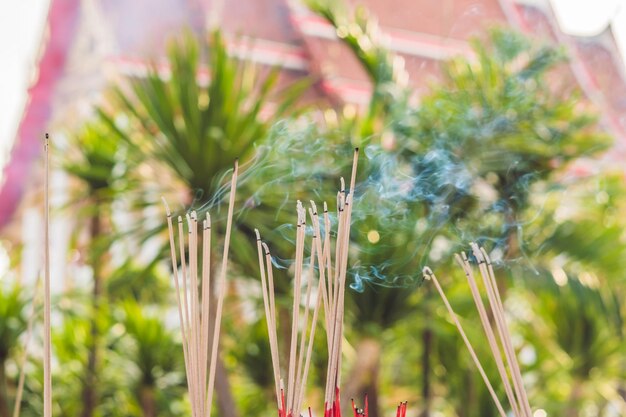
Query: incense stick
[[296, 306], [429, 275], [206, 298], [272, 319], [221, 289], [320, 298], [194, 303], [330, 296], [47, 341], [341, 265], [498, 311], [271, 326], [515, 392], [495, 349], [305, 321], [179, 304]]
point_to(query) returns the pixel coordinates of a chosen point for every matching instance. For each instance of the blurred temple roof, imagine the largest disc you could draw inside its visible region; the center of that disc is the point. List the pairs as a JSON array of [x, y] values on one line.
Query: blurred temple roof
[[90, 42]]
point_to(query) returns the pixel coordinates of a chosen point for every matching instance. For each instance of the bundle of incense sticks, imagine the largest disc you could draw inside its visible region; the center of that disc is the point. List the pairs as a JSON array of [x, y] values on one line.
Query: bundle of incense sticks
[[193, 296], [330, 296], [331, 284], [508, 367]]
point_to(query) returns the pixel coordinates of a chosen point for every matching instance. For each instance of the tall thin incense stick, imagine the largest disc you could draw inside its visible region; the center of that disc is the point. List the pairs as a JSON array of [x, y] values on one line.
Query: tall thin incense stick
[[47, 342], [181, 317], [498, 310], [194, 302], [221, 289], [429, 275], [495, 349], [271, 327], [330, 296], [515, 392], [305, 320], [206, 297]]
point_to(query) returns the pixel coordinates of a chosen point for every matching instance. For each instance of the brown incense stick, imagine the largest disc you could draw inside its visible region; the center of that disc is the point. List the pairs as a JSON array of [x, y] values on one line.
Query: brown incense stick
[[47, 350]]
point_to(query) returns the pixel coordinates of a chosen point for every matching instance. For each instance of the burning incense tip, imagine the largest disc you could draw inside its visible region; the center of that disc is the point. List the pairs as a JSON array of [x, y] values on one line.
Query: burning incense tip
[[427, 273], [356, 149], [486, 256], [267, 249], [180, 219], [476, 250]]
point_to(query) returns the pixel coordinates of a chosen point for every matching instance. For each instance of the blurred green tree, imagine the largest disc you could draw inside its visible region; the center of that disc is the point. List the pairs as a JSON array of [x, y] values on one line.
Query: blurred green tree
[[159, 379], [459, 166], [94, 163], [190, 127], [12, 325]]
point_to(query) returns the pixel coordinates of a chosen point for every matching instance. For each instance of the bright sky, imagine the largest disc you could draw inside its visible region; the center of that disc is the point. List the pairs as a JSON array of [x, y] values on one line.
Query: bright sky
[[21, 26], [22, 23], [591, 17]]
